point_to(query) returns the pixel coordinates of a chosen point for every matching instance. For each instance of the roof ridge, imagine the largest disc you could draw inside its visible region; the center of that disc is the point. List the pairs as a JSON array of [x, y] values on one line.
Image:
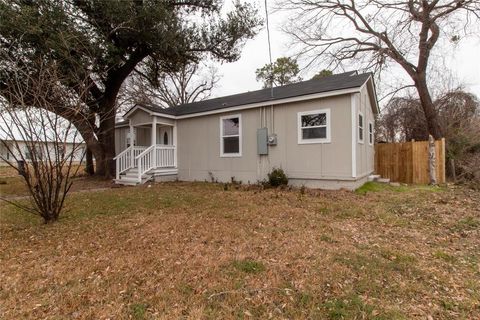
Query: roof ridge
[[349, 73]]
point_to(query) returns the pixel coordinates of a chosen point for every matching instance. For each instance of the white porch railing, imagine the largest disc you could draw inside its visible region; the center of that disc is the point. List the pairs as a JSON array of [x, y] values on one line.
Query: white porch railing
[[137, 150], [159, 156], [165, 156], [126, 159], [145, 161]]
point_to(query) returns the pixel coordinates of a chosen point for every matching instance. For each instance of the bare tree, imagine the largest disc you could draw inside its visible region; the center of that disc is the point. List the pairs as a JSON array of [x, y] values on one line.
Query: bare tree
[[402, 119], [194, 82], [45, 148], [377, 33], [459, 116]]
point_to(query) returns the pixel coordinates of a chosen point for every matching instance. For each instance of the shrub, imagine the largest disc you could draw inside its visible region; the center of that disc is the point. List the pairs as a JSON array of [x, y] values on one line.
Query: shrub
[[277, 177]]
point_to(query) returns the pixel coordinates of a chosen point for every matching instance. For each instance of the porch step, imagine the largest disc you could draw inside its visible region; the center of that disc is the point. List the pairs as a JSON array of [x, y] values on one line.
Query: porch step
[[134, 175], [130, 178]]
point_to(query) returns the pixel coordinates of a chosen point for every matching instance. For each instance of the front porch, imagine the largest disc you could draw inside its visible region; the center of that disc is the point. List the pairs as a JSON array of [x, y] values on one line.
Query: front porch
[[150, 151]]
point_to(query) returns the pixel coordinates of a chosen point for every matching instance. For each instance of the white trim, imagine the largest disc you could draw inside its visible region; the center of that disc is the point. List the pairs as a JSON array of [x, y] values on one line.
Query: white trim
[[374, 98], [264, 103], [370, 79], [164, 123], [353, 107], [362, 140], [231, 155], [146, 124], [135, 108], [328, 137], [370, 123]]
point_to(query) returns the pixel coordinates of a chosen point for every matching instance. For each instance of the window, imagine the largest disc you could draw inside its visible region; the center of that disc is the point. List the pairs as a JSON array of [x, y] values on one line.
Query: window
[[61, 150], [370, 133], [37, 153], [231, 136], [165, 138], [360, 128], [314, 126], [28, 154]]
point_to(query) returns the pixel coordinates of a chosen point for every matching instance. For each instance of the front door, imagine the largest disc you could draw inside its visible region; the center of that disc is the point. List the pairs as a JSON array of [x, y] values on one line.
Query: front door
[[164, 136]]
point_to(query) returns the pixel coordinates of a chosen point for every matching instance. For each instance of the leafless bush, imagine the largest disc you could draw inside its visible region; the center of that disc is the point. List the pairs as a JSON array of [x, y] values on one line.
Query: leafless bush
[[43, 147]]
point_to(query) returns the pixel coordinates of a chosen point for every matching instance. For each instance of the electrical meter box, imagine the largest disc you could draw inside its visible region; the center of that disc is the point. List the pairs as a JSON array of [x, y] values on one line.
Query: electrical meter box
[[272, 139], [262, 141]]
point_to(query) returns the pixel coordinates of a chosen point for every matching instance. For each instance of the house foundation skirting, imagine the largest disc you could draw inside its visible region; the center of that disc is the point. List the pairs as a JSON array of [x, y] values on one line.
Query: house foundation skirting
[[328, 184]]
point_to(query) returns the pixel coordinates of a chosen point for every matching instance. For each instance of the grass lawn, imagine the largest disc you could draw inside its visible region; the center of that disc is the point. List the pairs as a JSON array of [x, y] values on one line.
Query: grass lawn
[[196, 251], [13, 185]]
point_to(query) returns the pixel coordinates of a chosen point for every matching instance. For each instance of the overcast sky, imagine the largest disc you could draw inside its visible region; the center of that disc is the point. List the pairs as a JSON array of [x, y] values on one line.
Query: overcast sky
[[239, 76]]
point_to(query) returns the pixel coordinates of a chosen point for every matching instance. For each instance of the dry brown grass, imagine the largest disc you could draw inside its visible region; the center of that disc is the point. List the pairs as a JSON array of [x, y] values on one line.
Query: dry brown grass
[[195, 251], [13, 185]]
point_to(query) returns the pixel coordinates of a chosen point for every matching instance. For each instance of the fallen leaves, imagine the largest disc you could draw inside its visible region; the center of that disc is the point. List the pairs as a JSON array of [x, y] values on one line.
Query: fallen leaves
[[168, 251]]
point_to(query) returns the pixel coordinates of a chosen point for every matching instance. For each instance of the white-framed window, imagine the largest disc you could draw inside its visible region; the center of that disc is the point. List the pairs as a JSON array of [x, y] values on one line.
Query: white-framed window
[[314, 126], [231, 136], [370, 132], [361, 130], [37, 150]]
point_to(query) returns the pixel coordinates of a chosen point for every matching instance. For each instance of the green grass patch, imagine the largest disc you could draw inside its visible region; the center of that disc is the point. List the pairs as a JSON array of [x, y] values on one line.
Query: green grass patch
[[248, 266], [353, 307], [468, 223], [369, 265], [372, 186], [444, 256], [138, 311], [327, 239]]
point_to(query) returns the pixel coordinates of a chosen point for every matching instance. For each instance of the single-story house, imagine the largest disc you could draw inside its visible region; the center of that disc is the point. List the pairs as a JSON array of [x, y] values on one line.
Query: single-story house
[[320, 132], [15, 149]]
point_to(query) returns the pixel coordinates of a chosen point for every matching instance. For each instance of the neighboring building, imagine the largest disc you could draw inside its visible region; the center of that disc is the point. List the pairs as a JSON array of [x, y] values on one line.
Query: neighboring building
[[320, 132], [6, 156]]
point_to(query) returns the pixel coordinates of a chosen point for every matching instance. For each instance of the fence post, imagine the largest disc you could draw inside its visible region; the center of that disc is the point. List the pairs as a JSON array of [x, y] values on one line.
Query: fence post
[[413, 168], [442, 146], [431, 160]]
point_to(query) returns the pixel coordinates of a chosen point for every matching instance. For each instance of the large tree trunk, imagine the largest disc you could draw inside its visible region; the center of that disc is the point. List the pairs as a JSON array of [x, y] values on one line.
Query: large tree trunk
[[428, 107], [106, 164], [89, 168], [106, 139]]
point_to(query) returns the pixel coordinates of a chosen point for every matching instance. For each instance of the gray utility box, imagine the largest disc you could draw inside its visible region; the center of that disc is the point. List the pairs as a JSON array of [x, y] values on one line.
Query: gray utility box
[[262, 141], [272, 139]]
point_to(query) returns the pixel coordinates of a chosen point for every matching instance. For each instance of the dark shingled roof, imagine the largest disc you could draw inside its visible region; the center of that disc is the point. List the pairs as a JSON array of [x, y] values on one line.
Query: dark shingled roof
[[331, 83]]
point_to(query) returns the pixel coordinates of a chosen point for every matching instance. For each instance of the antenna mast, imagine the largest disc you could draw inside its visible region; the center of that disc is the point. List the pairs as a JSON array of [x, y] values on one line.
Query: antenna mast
[[269, 47]]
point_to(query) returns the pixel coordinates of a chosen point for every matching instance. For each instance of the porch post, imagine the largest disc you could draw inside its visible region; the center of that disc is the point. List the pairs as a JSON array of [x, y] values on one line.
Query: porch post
[[174, 141], [154, 141], [132, 158]]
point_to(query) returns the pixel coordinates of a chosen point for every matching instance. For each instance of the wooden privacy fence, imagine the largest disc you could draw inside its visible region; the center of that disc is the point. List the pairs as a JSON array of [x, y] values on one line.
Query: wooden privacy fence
[[408, 162]]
